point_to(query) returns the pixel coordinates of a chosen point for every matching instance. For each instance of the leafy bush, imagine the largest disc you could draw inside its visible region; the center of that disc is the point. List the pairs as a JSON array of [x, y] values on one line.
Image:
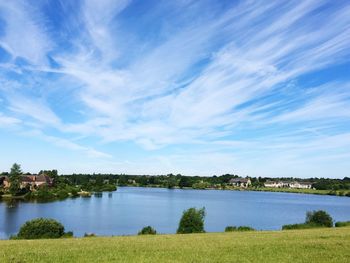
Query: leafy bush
[[321, 218], [89, 235], [240, 228], [313, 219], [147, 230], [230, 229], [192, 221], [41, 228], [342, 224], [245, 228], [62, 194], [299, 226], [43, 194], [68, 234], [200, 185], [74, 193]]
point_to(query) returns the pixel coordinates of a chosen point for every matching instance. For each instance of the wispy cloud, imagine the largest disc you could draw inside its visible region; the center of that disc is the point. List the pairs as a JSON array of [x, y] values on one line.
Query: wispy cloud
[[239, 76]]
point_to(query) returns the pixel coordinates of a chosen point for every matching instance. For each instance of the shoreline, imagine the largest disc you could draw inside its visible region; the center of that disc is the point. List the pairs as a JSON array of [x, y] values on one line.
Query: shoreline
[[261, 189], [85, 194]]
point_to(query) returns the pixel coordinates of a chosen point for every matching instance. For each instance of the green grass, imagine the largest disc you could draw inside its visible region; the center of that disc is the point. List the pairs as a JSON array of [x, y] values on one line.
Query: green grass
[[313, 245], [297, 191]]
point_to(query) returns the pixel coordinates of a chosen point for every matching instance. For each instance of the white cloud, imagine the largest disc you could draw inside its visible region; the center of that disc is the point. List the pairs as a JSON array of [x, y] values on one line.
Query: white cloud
[[24, 32], [219, 80]]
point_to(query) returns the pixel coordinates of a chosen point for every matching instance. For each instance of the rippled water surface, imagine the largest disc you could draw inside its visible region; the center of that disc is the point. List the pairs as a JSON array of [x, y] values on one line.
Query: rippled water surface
[[127, 210]]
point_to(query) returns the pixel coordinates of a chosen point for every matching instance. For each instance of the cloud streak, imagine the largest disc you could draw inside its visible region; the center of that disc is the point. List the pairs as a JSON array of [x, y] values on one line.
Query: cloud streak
[[232, 78]]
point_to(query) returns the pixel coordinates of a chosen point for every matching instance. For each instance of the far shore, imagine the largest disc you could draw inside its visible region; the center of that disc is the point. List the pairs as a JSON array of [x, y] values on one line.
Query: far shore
[[259, 189], [7, 197]]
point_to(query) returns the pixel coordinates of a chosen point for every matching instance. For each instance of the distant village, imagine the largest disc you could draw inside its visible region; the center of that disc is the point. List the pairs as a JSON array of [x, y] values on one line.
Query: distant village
[[32, 181], [246, 182], [35, 181]]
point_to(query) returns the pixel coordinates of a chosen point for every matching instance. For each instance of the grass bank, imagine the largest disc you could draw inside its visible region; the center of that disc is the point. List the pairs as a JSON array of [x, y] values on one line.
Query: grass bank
[[296, 191], [314, 245]]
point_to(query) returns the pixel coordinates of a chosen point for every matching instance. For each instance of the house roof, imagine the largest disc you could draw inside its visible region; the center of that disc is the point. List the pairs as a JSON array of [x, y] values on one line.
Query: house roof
[[27, 179], [305, 183], [36, 178], [239, 180], [43, 178], [271, 182]]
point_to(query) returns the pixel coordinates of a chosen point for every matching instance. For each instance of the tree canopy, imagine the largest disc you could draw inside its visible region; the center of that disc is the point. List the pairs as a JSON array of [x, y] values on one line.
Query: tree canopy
[[192, 221]]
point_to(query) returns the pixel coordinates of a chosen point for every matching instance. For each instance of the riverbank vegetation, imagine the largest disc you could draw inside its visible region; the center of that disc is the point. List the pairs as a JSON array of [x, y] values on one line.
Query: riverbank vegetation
[[42, 228], [73, 185], [314, 219], [311, 245], [47, 185]]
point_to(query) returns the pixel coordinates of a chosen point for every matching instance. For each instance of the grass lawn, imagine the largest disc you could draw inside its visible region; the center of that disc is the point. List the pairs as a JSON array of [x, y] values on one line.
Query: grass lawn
[[297, 191], [314, 245]]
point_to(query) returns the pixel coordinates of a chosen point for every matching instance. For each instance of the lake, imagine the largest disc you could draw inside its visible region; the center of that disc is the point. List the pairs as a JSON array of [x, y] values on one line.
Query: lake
[[126, 211]]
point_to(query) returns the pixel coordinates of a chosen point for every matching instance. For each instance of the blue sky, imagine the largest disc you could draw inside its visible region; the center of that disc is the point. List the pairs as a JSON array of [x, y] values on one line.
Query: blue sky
[[259, 88]]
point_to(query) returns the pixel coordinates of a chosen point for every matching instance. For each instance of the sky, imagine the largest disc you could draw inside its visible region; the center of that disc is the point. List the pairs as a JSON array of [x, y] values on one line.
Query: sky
[[257, 88]]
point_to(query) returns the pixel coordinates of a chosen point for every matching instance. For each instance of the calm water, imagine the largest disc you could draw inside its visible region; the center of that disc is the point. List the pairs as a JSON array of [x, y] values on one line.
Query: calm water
[[127, 210]]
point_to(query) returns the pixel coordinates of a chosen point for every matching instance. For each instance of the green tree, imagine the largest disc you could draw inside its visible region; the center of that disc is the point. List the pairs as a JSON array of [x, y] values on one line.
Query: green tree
[[230, 228], [147, 230], [171, 182], [320, 217], [41, 228], [15, 177], [15, 170], [192, 221], [185, 181]]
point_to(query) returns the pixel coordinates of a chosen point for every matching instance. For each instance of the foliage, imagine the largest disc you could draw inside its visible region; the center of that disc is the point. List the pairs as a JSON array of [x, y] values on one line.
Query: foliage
[[14, 177], [171, 182], [62, 194], [240, 228], [74, 192], [68, 234], [200, 185], [320, 217], [230, 228], [192, 221], [15, 170], [41, 228], [342, 224], [185, 181], [89, 235], [313, 219], [147, 230], [245, 228], [299, 226], [69, 185], [44, 194]]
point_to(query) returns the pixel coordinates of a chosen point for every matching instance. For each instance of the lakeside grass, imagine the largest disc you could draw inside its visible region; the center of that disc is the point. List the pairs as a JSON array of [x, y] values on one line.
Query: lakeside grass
[[291, 190], [312, 245]]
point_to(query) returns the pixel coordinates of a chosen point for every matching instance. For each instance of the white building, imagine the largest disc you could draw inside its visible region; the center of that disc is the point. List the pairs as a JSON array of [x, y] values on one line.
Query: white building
[[288, 184]]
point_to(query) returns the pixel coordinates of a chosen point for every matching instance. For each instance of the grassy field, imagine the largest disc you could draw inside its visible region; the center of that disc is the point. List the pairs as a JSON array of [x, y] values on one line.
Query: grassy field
[[297, 191], [314, 245]]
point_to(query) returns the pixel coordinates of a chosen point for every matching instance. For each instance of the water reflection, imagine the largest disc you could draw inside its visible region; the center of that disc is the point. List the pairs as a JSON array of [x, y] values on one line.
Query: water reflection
[[10, 217], [126, 211]]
